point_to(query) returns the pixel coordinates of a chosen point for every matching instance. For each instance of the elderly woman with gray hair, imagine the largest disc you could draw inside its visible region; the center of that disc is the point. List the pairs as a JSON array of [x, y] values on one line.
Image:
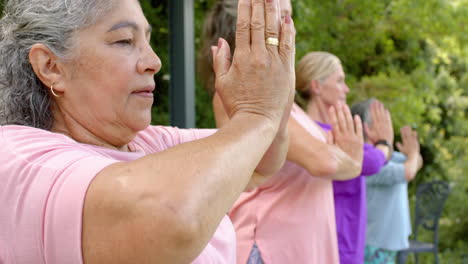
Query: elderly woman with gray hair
[[388, 217], [84, 178]]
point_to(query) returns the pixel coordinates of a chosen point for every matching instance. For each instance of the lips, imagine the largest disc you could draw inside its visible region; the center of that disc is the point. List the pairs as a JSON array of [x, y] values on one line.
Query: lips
[[146, 91]]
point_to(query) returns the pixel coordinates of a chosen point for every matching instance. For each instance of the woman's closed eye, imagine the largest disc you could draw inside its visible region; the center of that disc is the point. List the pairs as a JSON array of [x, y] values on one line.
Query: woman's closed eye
[[124, 42]]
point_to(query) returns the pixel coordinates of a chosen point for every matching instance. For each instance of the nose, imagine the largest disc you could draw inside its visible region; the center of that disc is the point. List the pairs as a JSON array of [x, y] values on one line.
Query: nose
[[346, 88], [149, 61]]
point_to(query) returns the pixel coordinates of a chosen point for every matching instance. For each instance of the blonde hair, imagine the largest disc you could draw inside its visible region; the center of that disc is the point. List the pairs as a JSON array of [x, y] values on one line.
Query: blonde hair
[[317, 65]]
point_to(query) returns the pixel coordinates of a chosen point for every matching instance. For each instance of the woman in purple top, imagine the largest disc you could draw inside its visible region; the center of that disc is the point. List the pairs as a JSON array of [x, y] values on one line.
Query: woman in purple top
[[320, 81]]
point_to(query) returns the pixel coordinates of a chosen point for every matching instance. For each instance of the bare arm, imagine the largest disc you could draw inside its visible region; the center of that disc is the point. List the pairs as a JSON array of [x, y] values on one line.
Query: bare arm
[[273, 159], [165, 207]]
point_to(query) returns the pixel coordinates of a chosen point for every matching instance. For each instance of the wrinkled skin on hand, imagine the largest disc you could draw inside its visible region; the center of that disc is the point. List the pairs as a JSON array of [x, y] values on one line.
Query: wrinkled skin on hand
[[261, 78]]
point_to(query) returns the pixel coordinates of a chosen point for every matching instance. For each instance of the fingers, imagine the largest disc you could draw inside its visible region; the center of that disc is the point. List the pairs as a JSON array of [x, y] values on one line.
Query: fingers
[[348, 117], [261, 19], [388, 117], [273, 21], [377, 112], [404, 132], [243, 24], [380, 111], [287, 46], [409, 141], [334, 120], [343, 126], [416, 140], [374, 111], [257, 25], [343, 122], [221, 58], [382, 127], [404, 129], [408, 135], [389, 125], [344, 118], [411, 135], [358, 125], [399, 146]]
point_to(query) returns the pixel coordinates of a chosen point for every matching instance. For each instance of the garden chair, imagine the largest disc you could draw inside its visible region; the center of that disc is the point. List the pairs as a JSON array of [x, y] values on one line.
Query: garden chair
[[430, 200]]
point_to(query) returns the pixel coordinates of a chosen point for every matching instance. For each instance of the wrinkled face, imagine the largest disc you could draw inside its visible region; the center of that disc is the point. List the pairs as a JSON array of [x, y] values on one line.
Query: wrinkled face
[[109, 90], [334, 89]]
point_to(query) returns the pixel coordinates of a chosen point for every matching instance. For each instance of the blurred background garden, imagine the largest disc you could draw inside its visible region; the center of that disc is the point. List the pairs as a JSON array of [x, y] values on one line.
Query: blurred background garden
[[410, 54]]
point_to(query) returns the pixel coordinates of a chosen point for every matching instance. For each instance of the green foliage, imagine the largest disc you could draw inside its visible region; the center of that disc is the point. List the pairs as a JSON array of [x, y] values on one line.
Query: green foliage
[[411, 54], [349, 29]]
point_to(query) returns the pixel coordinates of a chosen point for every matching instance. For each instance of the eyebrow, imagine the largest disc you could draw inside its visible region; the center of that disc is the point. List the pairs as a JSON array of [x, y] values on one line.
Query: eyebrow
[[130, 24]]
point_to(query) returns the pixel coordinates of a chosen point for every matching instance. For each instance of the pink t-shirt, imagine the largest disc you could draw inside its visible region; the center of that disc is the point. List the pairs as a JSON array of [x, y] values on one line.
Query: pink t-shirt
[[44, 177], [291, 217]]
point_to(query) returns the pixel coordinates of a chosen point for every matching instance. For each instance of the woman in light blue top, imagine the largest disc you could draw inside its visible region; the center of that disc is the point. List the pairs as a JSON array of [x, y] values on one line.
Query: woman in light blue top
[[388, 217]]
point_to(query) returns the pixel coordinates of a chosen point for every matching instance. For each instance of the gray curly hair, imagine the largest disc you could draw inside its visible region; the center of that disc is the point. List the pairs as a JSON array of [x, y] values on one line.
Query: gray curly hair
[[24, 99]]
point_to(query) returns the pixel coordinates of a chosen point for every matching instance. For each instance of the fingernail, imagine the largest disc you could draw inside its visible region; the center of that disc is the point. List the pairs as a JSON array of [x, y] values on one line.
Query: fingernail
[[220, 43], [287, 19], [269, 1]]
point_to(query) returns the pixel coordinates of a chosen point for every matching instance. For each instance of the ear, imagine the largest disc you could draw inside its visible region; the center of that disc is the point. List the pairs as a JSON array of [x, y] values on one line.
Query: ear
[[314, 87], [46, 66]]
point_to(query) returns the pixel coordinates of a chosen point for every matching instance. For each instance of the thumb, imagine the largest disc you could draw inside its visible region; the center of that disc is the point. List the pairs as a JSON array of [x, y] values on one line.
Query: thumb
[[221, 58]]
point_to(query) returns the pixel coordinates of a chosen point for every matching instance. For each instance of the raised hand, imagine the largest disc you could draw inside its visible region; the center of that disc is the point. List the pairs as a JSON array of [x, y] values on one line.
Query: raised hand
[[347, 133], [382, 127], [261, 78], [410, 144], [410, 147]]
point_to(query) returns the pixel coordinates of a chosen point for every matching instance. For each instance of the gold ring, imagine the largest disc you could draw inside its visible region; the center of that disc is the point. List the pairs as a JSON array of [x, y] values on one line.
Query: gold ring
[[272, 41]]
